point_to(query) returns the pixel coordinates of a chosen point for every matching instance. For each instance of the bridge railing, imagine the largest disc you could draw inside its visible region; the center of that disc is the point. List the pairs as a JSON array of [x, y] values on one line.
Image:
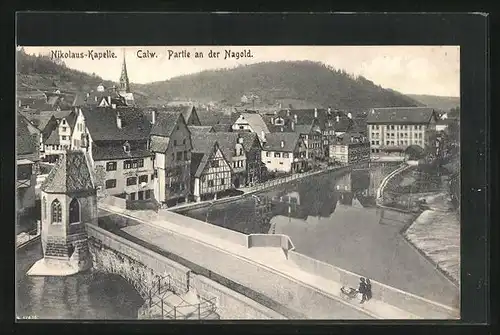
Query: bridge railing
[[26, 237]]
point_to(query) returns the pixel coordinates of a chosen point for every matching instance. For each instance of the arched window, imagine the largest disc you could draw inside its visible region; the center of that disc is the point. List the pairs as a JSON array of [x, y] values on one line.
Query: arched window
[[56, 211], [44, 208], [74, 211]]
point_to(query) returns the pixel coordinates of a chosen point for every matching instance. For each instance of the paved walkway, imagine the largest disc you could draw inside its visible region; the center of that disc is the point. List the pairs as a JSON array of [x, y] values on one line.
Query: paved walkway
[[154, 226]]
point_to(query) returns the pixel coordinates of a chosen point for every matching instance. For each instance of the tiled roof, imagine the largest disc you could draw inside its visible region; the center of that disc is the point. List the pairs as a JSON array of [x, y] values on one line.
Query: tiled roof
[[343, 125], [52, 100], [102, 125], [407, 115], [116, 152], [222, 127], [186, 111], [198, 162], [165, 123], [79, 100], [53, 138], [201, 129], [306, 116], [26, 143], [71, 119], [273, 141], [200, 143], [256, 123], [72, 173], [159, 143], [303, 128]]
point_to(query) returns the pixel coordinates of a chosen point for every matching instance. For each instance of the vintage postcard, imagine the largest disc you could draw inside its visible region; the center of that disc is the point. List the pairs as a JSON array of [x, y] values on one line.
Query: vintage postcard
[[223, 182]]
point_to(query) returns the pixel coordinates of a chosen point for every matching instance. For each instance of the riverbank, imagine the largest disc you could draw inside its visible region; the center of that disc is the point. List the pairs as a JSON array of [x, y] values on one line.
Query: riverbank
[[436, 235], [259, 188]]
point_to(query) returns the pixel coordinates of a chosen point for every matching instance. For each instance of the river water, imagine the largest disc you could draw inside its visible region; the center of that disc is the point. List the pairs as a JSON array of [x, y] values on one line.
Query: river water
[[89, 295], [333, 218]]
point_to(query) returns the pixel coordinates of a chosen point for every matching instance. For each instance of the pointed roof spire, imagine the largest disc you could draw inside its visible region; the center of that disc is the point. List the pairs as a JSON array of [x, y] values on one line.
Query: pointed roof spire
[[124, 82]]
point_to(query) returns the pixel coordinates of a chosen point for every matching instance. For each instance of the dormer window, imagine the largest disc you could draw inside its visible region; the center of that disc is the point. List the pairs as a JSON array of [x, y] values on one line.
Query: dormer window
[[126, 147], [63, 121]]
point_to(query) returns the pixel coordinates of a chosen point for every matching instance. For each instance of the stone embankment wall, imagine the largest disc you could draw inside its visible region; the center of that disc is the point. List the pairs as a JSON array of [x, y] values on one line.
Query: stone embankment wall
[[140, 266]]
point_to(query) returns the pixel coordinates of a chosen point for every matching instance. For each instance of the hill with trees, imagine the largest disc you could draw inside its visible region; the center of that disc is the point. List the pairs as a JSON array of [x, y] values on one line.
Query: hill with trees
[[437, 102], [274, 81]]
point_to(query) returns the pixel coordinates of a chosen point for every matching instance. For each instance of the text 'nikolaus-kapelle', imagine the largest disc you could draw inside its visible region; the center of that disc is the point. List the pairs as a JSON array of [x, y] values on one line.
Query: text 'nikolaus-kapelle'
[[91, 54]]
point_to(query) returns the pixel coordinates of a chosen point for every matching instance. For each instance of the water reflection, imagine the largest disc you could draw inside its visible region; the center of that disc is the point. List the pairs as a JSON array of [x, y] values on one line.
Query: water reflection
[[316, 196]]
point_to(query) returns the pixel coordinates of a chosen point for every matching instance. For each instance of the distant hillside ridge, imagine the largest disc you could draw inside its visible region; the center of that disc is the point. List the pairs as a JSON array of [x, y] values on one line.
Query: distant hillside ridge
[[437, 102], [43, 73], [272, 81]]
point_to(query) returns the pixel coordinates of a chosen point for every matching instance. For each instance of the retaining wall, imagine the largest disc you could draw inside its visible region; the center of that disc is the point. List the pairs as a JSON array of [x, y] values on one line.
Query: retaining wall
[[270, 240], [230, 304], [114, 201], [404, 300]]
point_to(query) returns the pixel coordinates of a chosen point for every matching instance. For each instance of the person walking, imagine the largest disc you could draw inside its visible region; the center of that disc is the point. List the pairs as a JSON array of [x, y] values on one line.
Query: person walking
[[362, 289], [368, 289]]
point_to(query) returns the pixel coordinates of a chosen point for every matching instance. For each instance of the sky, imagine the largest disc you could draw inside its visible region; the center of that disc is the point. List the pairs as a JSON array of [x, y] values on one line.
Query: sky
[[432, 70]]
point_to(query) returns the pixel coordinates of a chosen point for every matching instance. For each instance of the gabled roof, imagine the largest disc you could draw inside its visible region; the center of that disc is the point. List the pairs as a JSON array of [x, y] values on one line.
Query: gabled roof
[[159, 143], [256, 122], [200, 159], [186, 111], [343, 125], [102, 124], [72, 173], [52, 100], [53, 138], [115, 151], [71, 119], [222, 127], [273, 141], [165, 123], [200, 143], [26, 143], [201, 129], [404, 115]]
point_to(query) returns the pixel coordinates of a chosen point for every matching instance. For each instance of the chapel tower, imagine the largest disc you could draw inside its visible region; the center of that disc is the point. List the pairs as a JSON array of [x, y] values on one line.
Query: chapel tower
[[124, 82], [69, 202]]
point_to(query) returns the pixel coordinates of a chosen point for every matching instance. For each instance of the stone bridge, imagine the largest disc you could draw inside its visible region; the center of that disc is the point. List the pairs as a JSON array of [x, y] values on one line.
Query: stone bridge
[[248, 276]]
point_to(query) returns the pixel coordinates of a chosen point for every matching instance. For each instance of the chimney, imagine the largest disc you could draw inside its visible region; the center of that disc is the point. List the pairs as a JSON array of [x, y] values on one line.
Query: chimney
[[263, 135], [295, 118], [287, 112], [349, 115], [96, 98], [315, 112], [113, 106], [153, 117], [118, 120], [293, 126], [280, 105], [281, 129], [282, 144], [329, 110], [109, 99], [337, 118], [240, 140]]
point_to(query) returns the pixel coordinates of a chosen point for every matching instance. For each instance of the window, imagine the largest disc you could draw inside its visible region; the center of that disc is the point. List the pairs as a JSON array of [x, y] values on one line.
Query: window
[[277, 155], [268, 162], [373, 142], [56, 212], [64, 129], [147, 194], [63, 138], [152, 176], [133, 163], [222, 181], [179, 156], [131, 181], [184, 141], [214, 163], [127, 164], [111, 166], [281, 163], [210, 183], [285, 155], [111, 183], [268, 154], [140, 195], [186, 156], [392, 127], [378, 142], [132, 196], [388, 142], [74, 211], [44, 208], [175, 142], [241, 127], [143, 179], [63, 121]]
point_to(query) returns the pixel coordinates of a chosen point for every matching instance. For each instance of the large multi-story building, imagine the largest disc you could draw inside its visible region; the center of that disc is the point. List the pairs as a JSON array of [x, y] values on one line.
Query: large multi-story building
[[117, 142], [392, 130], [171, 145]]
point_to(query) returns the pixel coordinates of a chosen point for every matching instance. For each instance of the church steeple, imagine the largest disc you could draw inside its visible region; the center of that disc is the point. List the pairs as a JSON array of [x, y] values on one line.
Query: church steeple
[[124, 83]]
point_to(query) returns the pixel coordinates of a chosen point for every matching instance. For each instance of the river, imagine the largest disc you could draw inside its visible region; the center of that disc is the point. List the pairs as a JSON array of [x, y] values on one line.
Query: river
[[89, 295], [332, 217]]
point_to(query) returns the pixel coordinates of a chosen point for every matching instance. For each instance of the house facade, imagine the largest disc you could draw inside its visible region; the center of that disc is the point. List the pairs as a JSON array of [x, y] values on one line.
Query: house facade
[[285, 153], [251, 122], [170, 142], [210, 171], [117, 143], [392, 130], [349, 150]]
